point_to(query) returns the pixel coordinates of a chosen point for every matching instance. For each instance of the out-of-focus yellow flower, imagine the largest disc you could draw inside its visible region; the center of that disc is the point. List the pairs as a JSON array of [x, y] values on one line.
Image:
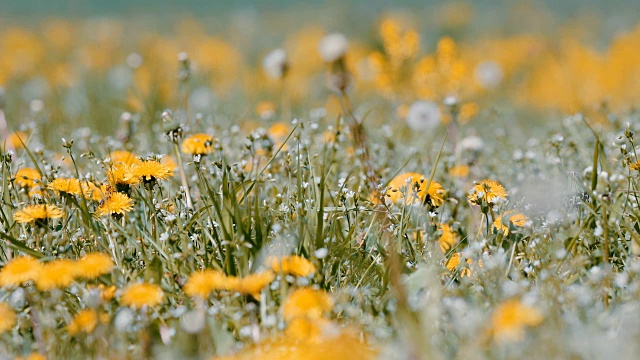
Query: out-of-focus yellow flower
[[116, 204], [254, 283], [20, 270], [198, 144], [306, 329], [39, 212], [278, 132], [509, 320], [7, 318], [106, 292], [448, 238], [292, 265], [142, 294], [266, 110], [56, 274], [32, 356], [85, 321], [414, 184], [202, 283], [306, 303], [93, 265], [13, 141], [313, 344], [461, 171]]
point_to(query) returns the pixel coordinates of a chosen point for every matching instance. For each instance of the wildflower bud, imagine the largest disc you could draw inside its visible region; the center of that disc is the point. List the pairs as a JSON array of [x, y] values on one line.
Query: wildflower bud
[[67, 144], [628, 134], [173, 130]]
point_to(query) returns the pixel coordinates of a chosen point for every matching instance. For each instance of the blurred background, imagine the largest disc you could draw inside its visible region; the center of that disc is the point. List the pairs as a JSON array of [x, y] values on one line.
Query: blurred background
[[85, 63]]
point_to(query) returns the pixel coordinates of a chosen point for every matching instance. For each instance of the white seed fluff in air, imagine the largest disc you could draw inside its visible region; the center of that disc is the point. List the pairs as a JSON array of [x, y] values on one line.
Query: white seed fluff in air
[[423, 115], [333, 47], [275, 63]]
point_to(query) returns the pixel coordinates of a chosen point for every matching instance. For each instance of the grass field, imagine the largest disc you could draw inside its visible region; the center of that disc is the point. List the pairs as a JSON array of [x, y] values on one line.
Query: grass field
[[339, 187]]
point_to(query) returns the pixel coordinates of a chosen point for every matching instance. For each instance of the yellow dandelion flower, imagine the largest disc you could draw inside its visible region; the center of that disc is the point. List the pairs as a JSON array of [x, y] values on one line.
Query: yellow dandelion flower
[[27, 178], [66, 185], [292, 265], [121, 176], [307, 303], [124, 157], [448, 238], [509, 320], [518, 219], [93, 265], [7, 318], [198, 144], [151, 170], [487, 192], [499, 226], [461, 171], [84, 321], [142, 294], [20, 270], [202, 283], [414, 184], [117, 204], [57, 274], [254, 283], [39, 212]]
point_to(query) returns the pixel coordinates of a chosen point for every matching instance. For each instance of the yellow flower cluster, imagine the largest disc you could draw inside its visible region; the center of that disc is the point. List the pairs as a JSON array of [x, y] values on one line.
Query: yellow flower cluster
[[202, 283], [414, 186], [291, 265], [54, 274], [142, 294], [308, 334]]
